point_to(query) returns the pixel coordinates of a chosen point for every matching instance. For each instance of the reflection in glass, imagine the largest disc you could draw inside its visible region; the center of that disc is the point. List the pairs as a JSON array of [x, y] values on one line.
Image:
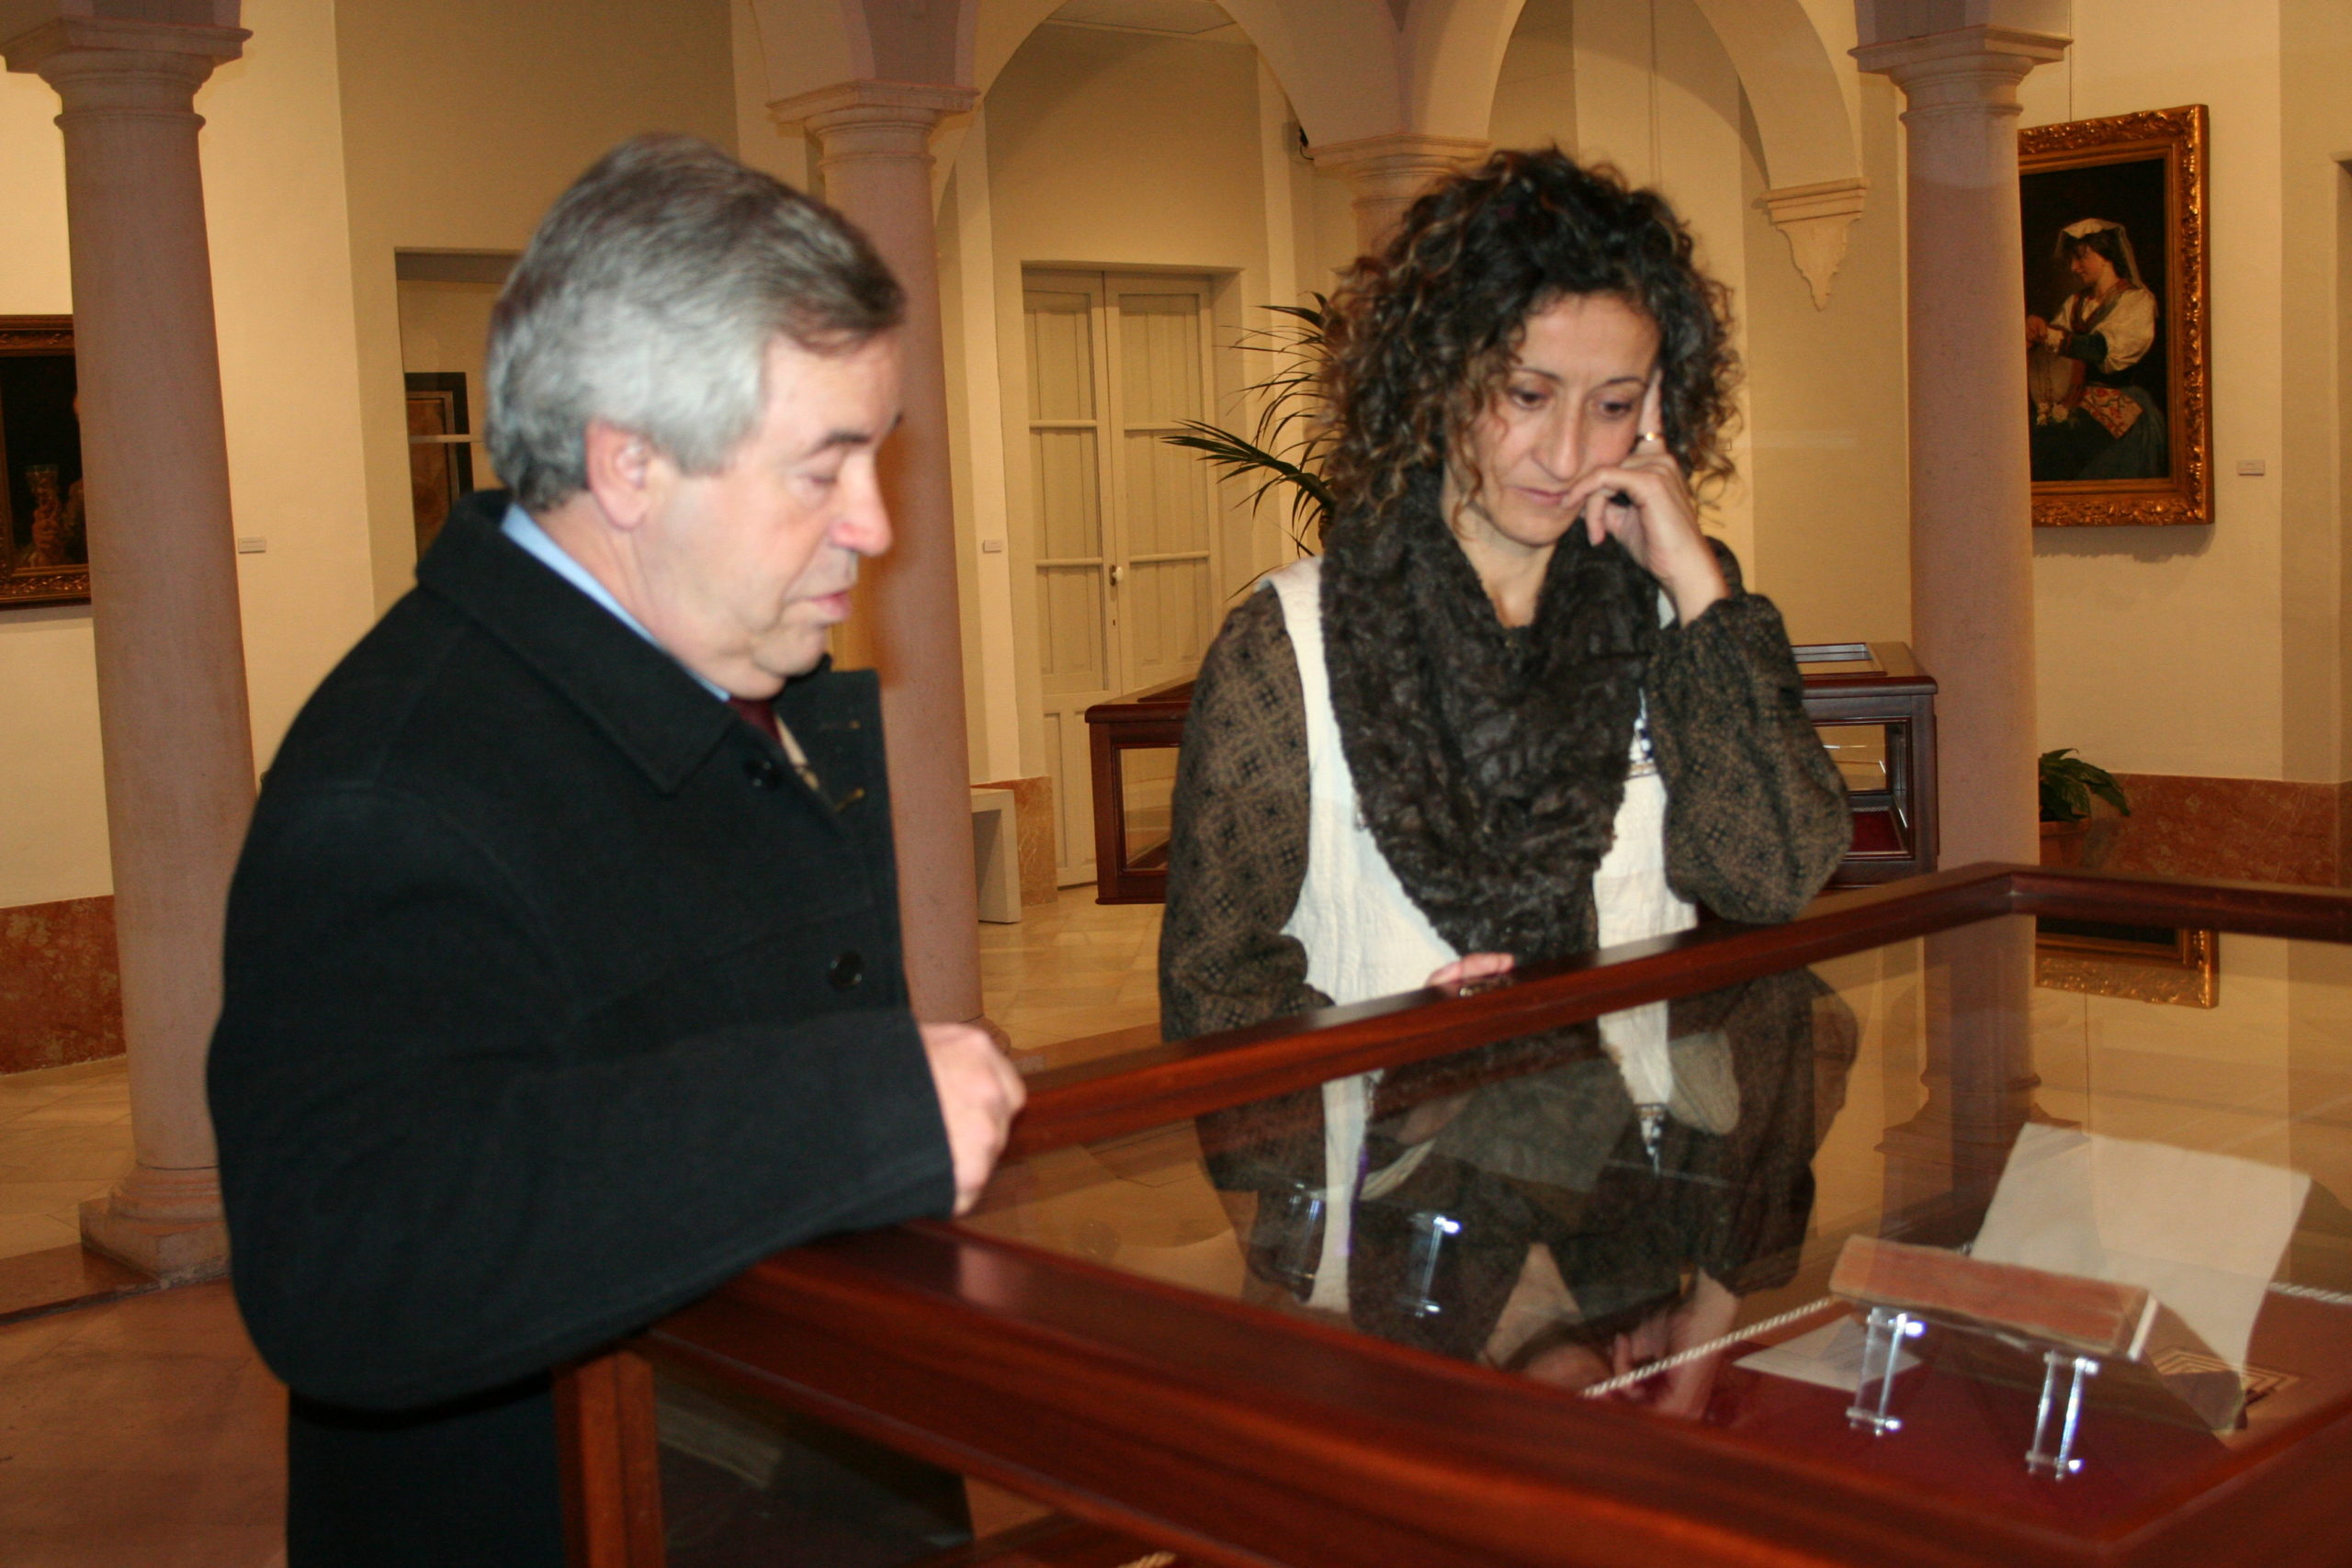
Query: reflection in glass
[[1514, 1205], [1148, 786], [745, 1482]]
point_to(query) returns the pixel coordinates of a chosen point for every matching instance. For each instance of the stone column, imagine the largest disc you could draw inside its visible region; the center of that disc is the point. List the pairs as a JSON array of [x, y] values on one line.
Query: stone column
[[875, 142], [1972, 589], [178, 746], [1386, 172], [1972, 506]]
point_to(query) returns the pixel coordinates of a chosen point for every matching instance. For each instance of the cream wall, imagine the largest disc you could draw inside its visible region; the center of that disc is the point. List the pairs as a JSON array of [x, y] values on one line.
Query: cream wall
[[1112, 149], [461, 122], [2161, 651], [1657, 96], [2315, 346], [272, 154], [52, 806], [343, 133], [1827, 396], [274, 200]]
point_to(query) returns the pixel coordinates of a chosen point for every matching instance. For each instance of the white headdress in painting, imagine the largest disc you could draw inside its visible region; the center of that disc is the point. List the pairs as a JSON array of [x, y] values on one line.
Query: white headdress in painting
[[2085, 227]]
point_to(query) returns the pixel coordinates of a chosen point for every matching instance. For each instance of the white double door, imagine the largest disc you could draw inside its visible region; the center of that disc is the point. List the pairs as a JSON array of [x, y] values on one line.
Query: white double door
[[1124, 526]]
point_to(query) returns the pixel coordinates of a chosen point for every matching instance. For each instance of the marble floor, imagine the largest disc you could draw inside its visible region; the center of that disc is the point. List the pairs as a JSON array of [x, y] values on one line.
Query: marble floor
[[64, 1137], [142, 1431], [1072, 971]]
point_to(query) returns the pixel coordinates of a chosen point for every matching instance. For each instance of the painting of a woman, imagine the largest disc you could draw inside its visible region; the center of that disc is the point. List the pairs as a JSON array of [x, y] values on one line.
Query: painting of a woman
[[2094, 416]]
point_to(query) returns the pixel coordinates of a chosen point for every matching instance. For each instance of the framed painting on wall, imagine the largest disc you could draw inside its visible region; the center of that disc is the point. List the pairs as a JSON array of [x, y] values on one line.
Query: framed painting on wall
[[2114, 328], [44, 542], [440, 462]]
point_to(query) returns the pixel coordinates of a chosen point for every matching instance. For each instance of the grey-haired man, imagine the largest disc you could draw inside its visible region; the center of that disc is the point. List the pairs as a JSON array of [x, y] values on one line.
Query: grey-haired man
[[563, 977]]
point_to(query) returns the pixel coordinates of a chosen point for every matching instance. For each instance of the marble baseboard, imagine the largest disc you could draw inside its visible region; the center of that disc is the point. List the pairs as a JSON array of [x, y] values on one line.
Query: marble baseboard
[[2237, 829], [1033, 814], [60, 995]]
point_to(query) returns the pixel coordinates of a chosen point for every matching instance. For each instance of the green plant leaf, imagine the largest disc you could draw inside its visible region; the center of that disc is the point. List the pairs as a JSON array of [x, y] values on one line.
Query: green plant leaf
[[2069, 783], [1290, 436]]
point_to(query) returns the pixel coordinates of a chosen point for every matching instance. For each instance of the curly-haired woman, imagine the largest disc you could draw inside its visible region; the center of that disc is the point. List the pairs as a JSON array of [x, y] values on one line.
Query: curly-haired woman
[[1475, 732]]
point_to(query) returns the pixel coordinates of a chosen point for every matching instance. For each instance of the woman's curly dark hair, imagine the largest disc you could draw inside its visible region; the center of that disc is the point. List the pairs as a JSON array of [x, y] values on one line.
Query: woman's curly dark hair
[[1422, 336]]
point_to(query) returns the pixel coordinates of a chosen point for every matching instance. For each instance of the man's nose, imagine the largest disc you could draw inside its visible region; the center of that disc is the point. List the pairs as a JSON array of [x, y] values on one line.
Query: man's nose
[[864, 525]]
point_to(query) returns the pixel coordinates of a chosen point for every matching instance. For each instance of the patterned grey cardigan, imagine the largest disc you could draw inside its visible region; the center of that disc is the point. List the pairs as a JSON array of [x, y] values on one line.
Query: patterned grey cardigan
[[1758, 822]]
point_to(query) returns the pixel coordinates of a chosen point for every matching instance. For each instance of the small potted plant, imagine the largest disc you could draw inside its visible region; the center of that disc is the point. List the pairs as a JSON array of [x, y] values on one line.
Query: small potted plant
[[2068, 786]]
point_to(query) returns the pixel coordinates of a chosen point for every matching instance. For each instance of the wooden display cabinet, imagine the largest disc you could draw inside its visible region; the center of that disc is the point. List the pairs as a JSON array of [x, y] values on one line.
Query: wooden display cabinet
[[1056, 1343], [1873, 706], [1875, 710]]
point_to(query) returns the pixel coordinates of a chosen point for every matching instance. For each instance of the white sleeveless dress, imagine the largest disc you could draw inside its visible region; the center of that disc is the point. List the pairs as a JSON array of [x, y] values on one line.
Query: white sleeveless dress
[[1364, 937]]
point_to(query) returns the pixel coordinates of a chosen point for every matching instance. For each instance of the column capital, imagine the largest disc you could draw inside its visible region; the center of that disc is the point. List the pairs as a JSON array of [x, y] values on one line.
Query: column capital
[[44, 35], [1386, 172], [1976, 66], [919, 105]]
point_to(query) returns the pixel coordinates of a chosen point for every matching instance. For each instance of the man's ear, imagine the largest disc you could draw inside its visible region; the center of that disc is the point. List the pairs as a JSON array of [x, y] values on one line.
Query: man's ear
[[622, 473]]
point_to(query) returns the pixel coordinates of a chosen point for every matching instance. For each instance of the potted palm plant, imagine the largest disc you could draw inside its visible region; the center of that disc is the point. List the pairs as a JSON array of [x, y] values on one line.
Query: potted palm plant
[[2069, 785], [1285, 450]]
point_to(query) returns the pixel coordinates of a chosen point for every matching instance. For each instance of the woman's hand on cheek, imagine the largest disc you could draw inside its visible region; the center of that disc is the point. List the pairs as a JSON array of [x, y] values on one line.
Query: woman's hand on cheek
[[1644, 504]]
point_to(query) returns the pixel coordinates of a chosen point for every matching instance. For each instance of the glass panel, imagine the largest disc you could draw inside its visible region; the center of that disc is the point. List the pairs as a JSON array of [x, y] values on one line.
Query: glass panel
[[1859, 752], [745, 1482], [1061, 355], [1146, 787], [1070, 517], [1869, 760], [1649, 1210], [1159, 353]]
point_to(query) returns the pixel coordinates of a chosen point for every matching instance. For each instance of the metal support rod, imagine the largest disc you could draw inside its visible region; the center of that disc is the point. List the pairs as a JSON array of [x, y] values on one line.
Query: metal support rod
[[2039, 1460]]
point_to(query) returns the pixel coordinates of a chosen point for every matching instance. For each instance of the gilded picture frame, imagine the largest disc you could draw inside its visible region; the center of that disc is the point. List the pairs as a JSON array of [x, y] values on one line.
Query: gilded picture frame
[[44, 544], [2177, 966], [2114, 255]]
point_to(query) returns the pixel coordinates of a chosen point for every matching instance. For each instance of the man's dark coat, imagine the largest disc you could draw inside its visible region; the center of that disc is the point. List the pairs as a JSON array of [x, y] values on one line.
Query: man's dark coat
[[554, 999]]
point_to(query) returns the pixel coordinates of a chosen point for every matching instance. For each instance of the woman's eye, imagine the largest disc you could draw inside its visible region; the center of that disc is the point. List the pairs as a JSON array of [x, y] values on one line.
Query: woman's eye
[[1617, 411], [1527, 397]]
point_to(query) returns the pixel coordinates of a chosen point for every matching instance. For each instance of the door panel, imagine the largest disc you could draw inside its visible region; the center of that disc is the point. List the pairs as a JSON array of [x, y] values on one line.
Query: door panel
[[1160, 341], [1169, 611], [1061, 353], [1124, 525], [1168, 496], [1073, 658], [1070, 495]]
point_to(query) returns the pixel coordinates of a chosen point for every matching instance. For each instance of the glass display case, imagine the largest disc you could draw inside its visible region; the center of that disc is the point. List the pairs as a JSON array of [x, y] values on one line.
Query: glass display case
[[1836, 1242], [1873, 706]]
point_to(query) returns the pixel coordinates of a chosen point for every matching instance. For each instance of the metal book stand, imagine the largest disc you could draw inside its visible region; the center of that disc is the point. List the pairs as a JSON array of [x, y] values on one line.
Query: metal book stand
[[1881, 1352]]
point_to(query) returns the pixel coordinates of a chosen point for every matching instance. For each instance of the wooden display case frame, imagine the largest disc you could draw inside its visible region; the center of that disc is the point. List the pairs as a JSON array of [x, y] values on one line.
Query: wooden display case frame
[[1239, 1436]]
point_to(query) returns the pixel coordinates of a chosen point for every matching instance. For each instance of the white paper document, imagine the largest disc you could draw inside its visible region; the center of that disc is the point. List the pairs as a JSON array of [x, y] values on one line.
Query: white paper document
[[2203, 1233]]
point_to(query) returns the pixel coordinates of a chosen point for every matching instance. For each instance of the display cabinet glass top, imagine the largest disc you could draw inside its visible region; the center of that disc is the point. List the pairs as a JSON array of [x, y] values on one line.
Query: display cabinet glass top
[[2120, 1147]]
